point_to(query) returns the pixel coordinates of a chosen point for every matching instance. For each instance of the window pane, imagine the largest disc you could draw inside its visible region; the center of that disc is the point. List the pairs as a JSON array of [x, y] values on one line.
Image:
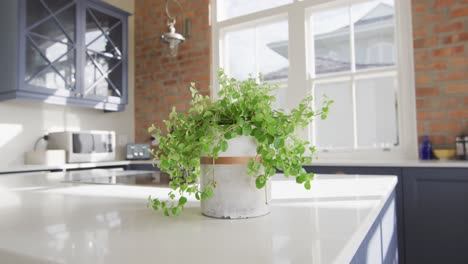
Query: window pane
[[331, 35], [376, 112], [374, 34], [281, 96], [258, 49], [239, 53], [233, 8], [272, 41], [337, 130]]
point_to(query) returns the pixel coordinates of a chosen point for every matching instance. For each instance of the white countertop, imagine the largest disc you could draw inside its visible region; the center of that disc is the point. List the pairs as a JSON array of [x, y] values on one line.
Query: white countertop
[[43, 220]]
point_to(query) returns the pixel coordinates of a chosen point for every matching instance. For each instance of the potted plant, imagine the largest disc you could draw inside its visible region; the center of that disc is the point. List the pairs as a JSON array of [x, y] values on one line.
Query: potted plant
[[243, 119]]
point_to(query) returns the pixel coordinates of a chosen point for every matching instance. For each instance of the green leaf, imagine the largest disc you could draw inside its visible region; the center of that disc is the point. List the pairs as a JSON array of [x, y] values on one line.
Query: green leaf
[[216, 149], [301, 149], [176, 210], [307, 185], [229, 135], [256, 132], [260, 181], [151, 128], [239, 130], [224, 146], [164, 164], [175, 156], [207, 114], [300, 179], [312, 150], [270, 138], [250, 165], [246, 130], [278, 143], [262, 139], [197, 196], [209, 193], [182, 200]]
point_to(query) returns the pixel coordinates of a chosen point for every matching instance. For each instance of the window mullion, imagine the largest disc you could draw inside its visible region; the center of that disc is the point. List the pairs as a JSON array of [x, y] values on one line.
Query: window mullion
[[297, 74], [353, 71], [256, 56], [351, 41], [312, 127]]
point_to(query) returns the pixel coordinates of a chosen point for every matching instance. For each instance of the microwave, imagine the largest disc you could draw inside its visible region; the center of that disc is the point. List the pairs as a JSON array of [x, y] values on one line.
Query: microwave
[[84, 146]]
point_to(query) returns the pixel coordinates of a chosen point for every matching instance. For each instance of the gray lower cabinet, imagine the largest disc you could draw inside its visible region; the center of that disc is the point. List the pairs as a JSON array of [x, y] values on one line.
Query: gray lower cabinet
[[436, 215], [64, 52]]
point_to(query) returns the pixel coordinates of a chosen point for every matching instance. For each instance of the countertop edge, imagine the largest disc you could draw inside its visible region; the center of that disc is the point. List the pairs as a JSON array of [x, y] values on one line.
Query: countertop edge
[[319, 163], [350, 250]]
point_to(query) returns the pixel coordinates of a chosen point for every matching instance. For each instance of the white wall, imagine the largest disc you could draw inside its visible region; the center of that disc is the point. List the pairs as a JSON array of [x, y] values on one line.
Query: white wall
[[23, 122]]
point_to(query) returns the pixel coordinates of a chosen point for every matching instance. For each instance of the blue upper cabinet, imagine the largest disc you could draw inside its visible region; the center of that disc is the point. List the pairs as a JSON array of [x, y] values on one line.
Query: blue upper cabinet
[[50, 47], [105, 55], [65, 52]]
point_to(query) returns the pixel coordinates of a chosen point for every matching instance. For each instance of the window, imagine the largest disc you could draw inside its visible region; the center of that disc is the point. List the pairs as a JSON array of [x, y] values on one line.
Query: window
[[352, 62], [259, 47], [354, 52]]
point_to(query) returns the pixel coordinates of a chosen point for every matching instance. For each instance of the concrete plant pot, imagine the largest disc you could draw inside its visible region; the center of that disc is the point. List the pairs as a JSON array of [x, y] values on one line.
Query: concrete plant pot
[[235, 195]]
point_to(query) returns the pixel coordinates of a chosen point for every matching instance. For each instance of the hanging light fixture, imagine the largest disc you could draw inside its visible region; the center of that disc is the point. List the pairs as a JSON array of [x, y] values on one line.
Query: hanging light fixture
[[172, 38]]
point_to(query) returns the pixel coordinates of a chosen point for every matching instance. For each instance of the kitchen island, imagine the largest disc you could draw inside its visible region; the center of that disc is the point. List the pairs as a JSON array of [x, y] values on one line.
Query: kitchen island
[[342, 219]]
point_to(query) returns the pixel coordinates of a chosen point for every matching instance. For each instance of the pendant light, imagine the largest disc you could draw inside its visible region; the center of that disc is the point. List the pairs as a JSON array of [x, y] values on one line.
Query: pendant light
[[172, 38]]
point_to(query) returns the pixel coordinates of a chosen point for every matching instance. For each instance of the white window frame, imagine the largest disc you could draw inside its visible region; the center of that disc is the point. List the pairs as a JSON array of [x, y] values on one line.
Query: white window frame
[[297, 14]]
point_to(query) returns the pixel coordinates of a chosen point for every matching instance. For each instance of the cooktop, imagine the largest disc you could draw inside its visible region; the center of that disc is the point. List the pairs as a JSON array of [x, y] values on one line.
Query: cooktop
[[123, 177]]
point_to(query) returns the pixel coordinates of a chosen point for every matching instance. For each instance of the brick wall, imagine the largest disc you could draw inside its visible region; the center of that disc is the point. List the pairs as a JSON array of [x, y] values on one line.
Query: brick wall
[[440, 32], [160, 81]]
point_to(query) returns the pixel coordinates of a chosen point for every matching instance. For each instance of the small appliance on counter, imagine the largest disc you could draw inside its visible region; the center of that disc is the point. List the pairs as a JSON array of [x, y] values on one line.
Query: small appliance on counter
[[466, 148], [460, 146], [84, 146], [138, 152]]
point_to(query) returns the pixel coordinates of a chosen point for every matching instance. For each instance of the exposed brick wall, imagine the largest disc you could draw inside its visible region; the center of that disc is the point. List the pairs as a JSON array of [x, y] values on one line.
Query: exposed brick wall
[[162, 82], [440, 32]]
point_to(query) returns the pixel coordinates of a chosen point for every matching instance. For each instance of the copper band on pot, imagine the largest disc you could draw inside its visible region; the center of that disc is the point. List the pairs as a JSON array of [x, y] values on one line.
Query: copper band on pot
[[228, 160]]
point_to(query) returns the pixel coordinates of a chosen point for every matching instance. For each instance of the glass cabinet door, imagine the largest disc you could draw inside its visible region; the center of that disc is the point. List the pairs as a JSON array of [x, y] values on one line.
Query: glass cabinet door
[[50, 45], [103, 73]]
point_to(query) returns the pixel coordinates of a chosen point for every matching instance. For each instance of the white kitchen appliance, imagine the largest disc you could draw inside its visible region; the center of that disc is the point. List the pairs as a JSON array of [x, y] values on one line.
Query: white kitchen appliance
[[84, 146]]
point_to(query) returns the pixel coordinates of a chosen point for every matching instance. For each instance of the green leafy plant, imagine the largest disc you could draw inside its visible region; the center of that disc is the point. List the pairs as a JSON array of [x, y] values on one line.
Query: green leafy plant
[[244, 108]]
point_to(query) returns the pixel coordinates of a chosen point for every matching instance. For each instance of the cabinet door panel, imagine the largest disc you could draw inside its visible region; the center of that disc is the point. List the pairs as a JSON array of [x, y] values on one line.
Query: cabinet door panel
[[35, 12], [50, 47], [104, 60], [56, 5], [436, 215]]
